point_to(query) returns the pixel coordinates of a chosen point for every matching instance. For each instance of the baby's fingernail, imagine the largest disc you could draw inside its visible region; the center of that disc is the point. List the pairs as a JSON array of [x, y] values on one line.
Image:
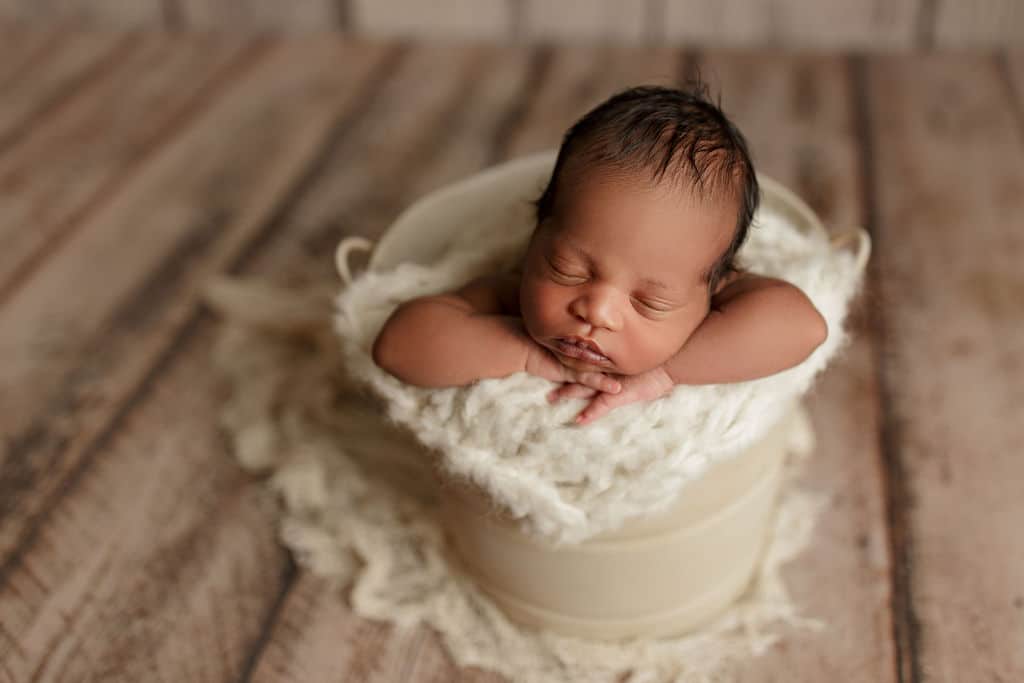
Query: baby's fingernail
[[616, 387]]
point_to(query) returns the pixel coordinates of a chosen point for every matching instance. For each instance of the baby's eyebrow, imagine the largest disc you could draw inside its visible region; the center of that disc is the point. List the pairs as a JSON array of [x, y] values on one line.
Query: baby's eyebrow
[[654, 283], [579, 252]]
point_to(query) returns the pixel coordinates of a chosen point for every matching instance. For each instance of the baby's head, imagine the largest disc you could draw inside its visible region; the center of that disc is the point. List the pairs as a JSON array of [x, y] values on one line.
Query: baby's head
[[651, 197]]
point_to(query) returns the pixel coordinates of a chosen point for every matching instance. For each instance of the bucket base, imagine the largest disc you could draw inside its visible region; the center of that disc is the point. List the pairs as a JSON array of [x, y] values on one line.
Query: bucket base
[[675, 622], [658, 576]]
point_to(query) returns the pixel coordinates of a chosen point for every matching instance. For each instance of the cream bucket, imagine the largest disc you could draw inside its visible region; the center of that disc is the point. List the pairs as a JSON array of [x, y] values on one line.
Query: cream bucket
[[657, 576]]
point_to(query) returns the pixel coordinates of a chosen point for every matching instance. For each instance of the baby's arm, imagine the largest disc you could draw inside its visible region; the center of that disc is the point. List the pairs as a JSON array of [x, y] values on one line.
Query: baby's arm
[[456, 338], [757, 326], [452, 339]]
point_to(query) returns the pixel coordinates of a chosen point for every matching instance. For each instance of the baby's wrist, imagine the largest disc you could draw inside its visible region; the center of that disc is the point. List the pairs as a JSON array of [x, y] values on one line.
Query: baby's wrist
[[527, 348], [669, 375], [534, 359]]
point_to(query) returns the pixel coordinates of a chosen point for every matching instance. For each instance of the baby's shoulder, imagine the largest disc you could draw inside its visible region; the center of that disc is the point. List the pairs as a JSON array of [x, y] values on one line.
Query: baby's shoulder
[[736, 282], [496, 294]]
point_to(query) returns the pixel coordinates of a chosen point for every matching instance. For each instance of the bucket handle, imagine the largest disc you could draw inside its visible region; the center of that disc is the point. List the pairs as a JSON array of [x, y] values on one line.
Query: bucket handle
[[862, 241], [346, 247]]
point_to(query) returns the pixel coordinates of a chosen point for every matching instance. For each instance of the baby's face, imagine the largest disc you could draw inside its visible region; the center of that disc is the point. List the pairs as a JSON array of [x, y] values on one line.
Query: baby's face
[[612, 281]]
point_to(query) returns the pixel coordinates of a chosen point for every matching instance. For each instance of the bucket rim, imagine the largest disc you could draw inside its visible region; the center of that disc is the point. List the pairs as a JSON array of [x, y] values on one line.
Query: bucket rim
[[530, 169]]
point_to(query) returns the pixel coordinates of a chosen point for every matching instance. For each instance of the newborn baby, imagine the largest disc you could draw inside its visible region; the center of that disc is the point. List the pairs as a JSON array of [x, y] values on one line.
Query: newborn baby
[[629, 285]]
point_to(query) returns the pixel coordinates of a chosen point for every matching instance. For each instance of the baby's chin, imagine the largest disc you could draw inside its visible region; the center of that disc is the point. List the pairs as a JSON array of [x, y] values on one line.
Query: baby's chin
[[584, 366]]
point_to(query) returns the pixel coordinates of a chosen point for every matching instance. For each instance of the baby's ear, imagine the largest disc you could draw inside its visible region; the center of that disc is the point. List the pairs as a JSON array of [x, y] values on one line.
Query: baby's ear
[[727, 279], [722, 283]]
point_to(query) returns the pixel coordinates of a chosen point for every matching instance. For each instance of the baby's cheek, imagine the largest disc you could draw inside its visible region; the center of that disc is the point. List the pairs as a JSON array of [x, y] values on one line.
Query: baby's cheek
[[536, 312], [653, 347], [658, 353], [541, 303]]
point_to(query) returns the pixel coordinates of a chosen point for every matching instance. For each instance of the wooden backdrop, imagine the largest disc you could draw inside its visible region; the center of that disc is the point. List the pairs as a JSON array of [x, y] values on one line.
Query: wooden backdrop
[[877, 25]]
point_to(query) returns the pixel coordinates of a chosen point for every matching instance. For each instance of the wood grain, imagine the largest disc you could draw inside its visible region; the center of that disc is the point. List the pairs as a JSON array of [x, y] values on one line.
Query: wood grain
[[22, 50], [159, 563], [1013, 71], [317, 637], [827, 24], [453, 102], [249, 15], [624, 21], [450, 19], [94, 13], [66, 166], [577, 79], [397, 150], [797, 115], [82, 334], [949, 183], [63, 63], [983, 25], [878, 25]]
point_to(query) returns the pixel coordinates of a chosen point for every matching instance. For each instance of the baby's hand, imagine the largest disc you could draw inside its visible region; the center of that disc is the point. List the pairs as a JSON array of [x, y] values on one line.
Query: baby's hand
[[543, 363], [646, 386]]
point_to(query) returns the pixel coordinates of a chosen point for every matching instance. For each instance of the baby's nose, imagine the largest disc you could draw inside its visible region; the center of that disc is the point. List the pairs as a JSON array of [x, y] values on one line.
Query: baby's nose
[[598, 308]]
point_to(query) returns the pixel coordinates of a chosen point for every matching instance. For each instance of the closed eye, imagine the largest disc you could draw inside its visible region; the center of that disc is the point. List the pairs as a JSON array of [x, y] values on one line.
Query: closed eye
[[651, 307], [562, 275]]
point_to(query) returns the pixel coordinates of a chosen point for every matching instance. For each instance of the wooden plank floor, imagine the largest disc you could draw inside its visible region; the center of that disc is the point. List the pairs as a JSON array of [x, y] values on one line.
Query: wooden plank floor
[[133, 167]]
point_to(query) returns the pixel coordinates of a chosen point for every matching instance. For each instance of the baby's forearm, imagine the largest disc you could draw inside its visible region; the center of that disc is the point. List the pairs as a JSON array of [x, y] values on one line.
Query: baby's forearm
[[441, 342], [756, 333]]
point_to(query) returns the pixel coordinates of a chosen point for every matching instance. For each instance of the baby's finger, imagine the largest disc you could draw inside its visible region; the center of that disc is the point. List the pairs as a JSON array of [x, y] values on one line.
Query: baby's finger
[[571, 390], [595, 409], [599, 381]]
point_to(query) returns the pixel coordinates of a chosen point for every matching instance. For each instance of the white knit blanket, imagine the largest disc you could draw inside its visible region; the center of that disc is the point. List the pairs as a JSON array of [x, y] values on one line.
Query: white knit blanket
[[565, 482]]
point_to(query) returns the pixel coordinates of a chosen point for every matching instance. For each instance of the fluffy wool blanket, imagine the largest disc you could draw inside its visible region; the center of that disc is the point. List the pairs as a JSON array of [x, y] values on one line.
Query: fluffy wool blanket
[[564, 482]]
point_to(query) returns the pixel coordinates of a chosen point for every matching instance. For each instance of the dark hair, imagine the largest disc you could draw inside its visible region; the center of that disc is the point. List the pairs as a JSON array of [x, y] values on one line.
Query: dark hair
[[671, 132]]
